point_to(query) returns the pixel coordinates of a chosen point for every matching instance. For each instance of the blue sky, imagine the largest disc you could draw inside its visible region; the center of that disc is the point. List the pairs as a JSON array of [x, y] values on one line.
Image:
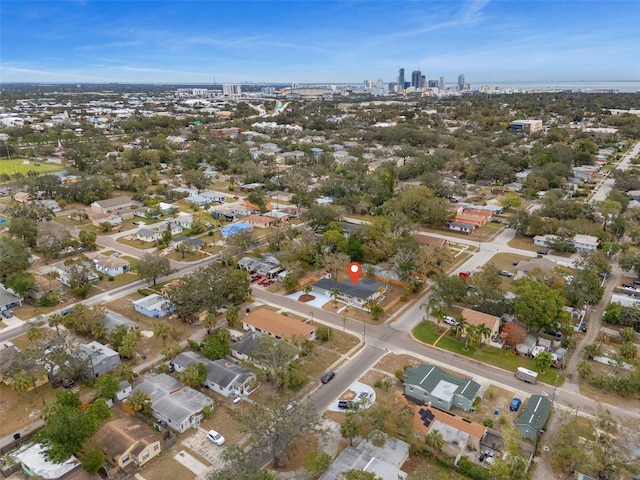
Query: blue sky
[[318, 41]]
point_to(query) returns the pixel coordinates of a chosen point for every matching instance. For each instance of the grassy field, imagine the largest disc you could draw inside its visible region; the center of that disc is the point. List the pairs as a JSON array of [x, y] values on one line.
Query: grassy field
[[15, 165]]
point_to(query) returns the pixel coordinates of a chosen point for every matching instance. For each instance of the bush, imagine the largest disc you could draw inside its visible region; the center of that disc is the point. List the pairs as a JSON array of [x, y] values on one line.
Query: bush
[[400, 375], [470, 470], [196, 346], [488, 422], [111, 279], [322, 333]]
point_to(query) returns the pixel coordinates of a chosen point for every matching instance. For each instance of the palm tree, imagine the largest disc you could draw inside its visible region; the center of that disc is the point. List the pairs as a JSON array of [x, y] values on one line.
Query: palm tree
[[191, 376], [335, 293], [592, 350], [162, 330], [438, 313], [21, 382], [462, 326], [232, 315], [307, 289], [471, 336], [34, 333], [483, 332], [429, 306], [434, 440], [55, 321], [98, 330], [584, 368]]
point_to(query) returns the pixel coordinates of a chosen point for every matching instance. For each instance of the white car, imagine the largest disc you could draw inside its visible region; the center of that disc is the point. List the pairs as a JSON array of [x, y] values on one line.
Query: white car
[[450, 320], [215, 437]]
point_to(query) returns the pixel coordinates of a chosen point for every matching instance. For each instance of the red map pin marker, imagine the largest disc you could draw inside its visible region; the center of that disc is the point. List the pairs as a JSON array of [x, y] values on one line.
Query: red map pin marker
[[355, 270]]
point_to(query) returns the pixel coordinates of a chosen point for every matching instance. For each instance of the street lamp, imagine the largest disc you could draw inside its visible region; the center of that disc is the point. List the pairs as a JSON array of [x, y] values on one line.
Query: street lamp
[[364, 331], [311, 315]]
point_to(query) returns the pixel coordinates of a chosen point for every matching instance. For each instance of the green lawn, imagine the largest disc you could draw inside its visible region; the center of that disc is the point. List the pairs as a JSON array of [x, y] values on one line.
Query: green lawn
[[15, 165], [505, 359]]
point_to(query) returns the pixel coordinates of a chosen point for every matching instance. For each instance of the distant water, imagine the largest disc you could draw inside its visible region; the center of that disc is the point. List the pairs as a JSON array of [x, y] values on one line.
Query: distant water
[[620, 86]]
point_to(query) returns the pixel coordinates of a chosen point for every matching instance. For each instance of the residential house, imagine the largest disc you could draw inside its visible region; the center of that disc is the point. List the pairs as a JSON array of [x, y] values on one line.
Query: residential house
[[112, 320], [475, 318], [471, 219], [428, 384], [259, 221], [66, 272], [278, 326], [278, 216], [459, 434], [367, 290], [44, 285], [195, 243], [534, 416], [429, 240], [198, 200], [216, 197], [224, 377], [111, 266], [153, 233], [154, 306], [128, 441], [246, 346], [113, 219], [99, 359], [173, 403], [543, 264], [34, 463], [111, 204], [585, 243], [22, 197], [268, 266], [461, 227], [383, 461]]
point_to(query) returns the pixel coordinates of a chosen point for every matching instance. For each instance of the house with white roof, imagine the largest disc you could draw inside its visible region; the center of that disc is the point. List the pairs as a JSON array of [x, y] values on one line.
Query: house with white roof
[[154, 306]]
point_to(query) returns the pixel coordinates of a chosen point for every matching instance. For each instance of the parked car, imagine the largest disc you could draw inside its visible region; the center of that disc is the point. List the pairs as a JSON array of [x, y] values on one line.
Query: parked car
[[542, 252], [630, 286], [7, 313], [496, 220], [255, 278], [515, 404], [67, 383], [215, 437], [115, 254], [344, 404], [327, 377], [636, 282], [262, 281], [267, 283], [506, 273], [450, 320], [516, 262], [11, 345], [291, 405]]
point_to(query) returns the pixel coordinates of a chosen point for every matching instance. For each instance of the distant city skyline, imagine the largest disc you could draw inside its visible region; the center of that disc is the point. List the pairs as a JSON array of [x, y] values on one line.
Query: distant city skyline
[[318, 42]]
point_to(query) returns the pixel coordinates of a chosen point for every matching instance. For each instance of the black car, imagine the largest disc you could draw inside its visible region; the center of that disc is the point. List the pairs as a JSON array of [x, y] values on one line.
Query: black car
[[344, 404], [327, 377], [542, 252], [629, 285]]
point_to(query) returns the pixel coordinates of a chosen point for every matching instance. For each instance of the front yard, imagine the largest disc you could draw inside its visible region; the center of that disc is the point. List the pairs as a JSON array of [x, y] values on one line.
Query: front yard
[[427, 332]]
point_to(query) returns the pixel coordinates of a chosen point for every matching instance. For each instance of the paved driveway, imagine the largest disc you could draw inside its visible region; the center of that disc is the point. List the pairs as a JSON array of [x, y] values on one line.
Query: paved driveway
[[317, 302]]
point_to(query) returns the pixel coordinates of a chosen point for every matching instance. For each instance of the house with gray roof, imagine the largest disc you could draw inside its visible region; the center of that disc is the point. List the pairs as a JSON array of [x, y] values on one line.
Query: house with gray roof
[[428, 384], [385, 462], [365, 290], [534, 416], [99, 359], [246, 346], [9, 299], [268, 266], [173, 403], [112, 319], [223, 377]]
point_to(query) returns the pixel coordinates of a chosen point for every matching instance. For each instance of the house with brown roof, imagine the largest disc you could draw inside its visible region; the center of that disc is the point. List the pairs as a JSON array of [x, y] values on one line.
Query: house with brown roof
[[429, 240], [128, 441], [278, 326], [470, 219], [259, 221], [457, 432], [544, 265], [475, 318], [43, 285]]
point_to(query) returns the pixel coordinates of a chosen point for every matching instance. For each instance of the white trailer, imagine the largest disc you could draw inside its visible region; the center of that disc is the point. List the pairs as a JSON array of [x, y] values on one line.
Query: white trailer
[[526, 375]]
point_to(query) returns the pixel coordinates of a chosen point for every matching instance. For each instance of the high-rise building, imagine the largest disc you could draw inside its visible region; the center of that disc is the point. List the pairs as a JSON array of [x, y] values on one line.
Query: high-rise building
[[432, 84], [401, 78], [416, 79], [231, 90], [460, 82], [423, 81], [441, 83]]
